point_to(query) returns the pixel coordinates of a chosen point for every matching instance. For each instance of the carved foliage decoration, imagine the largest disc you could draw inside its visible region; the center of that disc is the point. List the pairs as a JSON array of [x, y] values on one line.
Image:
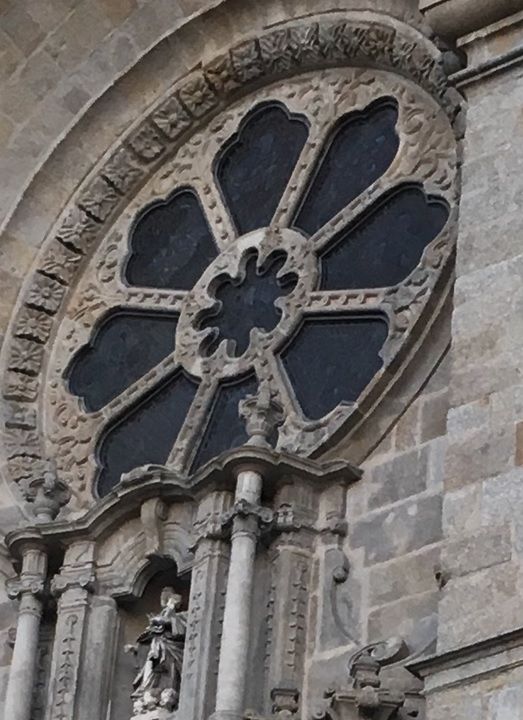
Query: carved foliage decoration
[[427, 152]]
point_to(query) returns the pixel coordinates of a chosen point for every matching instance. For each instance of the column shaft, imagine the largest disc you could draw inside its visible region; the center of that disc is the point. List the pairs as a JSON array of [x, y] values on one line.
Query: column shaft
[[234, 648], [21, 676]]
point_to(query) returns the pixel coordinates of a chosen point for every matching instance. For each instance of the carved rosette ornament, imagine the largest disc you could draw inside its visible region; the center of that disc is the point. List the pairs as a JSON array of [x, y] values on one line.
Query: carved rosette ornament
[[315, 71]]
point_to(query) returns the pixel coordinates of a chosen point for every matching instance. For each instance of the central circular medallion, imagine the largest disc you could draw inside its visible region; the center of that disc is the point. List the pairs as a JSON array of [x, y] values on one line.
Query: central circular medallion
[[247, 301]]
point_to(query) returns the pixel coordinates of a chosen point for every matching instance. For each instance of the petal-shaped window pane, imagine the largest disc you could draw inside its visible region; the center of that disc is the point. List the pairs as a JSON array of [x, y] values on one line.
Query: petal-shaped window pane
[[171, 244], [332, 360], [125, 346], [225, 429], [359, 152], [384, 247], [254, 168], [147, 434]]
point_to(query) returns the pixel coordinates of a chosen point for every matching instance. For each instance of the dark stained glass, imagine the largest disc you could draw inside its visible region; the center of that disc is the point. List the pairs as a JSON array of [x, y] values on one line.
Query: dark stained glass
[[385, 246], [254, 168], [171, 244], [125, 346], [246, 304], [147, 434], [225, 429], [360, 150], [332, 360]]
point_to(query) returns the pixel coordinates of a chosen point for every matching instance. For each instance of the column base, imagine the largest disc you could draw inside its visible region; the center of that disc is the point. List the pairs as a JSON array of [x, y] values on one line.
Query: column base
[[226, 715]]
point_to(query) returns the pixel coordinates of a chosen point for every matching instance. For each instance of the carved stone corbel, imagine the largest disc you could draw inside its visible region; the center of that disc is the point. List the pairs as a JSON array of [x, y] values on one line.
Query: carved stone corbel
[[366, 697]]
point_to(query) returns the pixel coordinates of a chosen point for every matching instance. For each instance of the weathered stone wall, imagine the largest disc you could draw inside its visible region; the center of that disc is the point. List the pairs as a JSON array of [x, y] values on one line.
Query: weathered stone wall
[[435, 532], [483, 474], [394, 514]]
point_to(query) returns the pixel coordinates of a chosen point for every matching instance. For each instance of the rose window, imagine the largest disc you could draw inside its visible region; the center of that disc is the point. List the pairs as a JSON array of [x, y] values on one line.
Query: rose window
[[295, 240]]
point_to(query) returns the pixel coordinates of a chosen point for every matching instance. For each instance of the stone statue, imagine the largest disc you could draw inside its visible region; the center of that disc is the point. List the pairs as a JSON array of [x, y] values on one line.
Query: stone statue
[[157, 684]]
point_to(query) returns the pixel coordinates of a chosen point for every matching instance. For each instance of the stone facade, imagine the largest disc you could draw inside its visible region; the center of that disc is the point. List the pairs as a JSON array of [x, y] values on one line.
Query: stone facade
[[370, 569]]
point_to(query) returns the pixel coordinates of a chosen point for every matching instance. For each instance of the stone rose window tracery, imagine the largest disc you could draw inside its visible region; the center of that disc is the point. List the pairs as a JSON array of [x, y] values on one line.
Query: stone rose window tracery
[[296, 240]]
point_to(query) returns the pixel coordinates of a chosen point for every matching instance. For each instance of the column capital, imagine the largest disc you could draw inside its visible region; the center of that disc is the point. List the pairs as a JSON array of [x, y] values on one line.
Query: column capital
[[24, 584], [32, 577], [77, 572]]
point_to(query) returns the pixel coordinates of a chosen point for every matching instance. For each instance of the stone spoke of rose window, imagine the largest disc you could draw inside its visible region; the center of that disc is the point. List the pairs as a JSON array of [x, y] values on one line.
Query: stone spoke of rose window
[[255, 166]]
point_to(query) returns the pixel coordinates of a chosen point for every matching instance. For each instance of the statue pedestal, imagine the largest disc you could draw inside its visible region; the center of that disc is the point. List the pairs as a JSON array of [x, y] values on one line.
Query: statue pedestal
[[156, 714], [156, 705]]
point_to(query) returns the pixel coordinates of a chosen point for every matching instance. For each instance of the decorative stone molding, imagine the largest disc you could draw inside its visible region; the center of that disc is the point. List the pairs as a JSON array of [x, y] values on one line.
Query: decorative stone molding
[[354, 39], [470, 663], [285, 704], [451, 19], [160, 482]]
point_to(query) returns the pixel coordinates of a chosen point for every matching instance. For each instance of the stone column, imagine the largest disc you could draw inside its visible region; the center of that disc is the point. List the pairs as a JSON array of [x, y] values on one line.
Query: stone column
[[232, 668], [206, 605], [29, 588], [262, 414], [73, 586]]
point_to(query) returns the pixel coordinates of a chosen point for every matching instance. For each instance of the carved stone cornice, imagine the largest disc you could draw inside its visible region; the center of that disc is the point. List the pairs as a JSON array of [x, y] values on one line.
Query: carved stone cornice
[[155, 481], [461, 665], [451, 19]]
